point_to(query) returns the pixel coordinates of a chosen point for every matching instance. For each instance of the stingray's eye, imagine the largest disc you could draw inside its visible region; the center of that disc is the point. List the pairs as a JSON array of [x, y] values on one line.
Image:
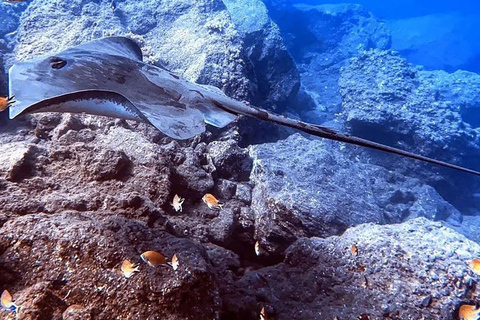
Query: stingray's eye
[[57, 63]]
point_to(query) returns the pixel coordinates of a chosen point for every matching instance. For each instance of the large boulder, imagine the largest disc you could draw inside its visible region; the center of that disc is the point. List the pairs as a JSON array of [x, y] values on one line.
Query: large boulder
[[319, 188], [386, 99], [321, 38], [275, 72], [53, 262], [414, 270]]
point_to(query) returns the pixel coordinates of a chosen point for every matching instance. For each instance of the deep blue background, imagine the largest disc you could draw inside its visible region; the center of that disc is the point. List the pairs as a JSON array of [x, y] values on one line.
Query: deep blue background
[[442, 35], [395, 9]]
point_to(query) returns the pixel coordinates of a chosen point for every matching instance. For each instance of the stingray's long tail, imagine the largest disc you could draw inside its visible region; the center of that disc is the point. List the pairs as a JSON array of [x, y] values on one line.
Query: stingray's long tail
[[327, 133]]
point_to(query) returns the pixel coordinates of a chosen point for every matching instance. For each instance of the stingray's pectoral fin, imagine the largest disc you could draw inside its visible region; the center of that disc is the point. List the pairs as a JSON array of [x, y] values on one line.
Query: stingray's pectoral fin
[[214, 116], [96, 102]]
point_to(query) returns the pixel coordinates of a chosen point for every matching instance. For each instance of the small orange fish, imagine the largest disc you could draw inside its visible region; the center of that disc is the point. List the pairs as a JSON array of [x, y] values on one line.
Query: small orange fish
[[468, 312], [174, 263], [177, 203], [128, 268], [363, 317], [335, 318], [354, 249], [211, 201], [257, 248], [7, 303], [5, 102], [153, 258], [475, 265]]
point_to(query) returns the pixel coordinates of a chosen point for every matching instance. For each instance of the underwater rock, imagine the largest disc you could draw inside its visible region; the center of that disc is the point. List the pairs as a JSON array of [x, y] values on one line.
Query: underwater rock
[[10, 18], [385, 99], [231, 161], [275, 72], [321, 38], [107, 164], [52, 175], [308, 187], [414, 270], [221, 228], [74, 258]]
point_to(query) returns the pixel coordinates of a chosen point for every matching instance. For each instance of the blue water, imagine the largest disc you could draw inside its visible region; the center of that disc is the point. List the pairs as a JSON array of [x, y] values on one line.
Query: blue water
[[400, 9], [435, 34]]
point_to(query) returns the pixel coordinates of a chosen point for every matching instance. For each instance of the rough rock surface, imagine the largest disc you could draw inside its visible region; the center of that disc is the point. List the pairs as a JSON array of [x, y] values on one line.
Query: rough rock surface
[[415, 270], [275, 72], [78, 194], [73, 258], [93, 192], [321, 38], [386, 99], [319, 188]]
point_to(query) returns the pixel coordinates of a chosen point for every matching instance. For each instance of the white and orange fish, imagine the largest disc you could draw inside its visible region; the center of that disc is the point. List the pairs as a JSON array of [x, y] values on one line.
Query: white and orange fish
[[175, 262], [475, 265], [7, 302], [263, 314], [211, 201], [354, 249], [128, 268], [177, 203], [257, 248], [154, 258], [468, 312], [5, 102]]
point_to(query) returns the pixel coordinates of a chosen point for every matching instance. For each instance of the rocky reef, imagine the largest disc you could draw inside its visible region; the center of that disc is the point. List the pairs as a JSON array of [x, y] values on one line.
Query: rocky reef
[[309, 229]]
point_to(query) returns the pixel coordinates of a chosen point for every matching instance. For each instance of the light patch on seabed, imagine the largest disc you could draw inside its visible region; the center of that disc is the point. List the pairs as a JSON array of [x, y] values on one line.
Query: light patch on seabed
[[11, 153]]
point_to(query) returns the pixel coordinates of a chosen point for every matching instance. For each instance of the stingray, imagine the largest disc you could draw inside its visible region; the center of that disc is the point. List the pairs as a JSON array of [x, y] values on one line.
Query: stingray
[[108, 77]]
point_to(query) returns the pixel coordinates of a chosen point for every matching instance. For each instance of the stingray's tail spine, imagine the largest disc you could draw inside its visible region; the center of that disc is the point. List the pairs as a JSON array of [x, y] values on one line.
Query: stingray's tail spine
[[327, 133]]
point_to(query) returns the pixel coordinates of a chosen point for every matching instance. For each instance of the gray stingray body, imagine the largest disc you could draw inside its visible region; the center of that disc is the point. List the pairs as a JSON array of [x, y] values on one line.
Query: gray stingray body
[[108, 77]]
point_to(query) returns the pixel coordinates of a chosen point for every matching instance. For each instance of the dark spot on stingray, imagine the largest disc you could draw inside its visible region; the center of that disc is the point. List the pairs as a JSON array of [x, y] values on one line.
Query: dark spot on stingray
[[121, 79], [57, 63]]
